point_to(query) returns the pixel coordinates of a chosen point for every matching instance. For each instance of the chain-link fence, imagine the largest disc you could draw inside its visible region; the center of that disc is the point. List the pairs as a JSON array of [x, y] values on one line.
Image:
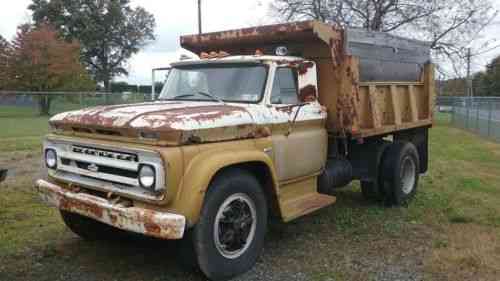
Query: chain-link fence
[[480, 115], [24, 115], [23, 104]]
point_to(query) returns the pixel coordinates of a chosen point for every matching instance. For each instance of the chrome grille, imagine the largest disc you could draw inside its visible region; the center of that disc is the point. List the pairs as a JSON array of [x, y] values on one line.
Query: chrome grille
[[107, 169], [105, 153]]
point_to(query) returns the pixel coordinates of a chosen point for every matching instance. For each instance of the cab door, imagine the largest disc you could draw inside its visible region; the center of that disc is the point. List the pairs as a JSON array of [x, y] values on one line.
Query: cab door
[[298, 132]]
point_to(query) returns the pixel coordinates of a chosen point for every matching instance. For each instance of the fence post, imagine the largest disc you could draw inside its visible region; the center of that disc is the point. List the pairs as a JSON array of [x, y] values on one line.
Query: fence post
[[468, 116], [478, 128], [490, 117], [453, 114]]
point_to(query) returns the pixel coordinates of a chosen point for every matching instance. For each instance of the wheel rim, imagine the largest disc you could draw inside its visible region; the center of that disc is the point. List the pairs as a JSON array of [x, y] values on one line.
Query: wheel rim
[[235, 224], [408, 175]]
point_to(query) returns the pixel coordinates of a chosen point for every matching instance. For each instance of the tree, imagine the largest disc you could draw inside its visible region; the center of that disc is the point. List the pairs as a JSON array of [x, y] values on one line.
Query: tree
[[109, 31], [491, 78], [40, 61], [4, 54], [449, 25]]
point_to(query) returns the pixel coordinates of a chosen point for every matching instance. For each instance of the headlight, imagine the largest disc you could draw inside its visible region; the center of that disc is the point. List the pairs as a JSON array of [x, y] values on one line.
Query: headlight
[[147, 177], [51, 158]]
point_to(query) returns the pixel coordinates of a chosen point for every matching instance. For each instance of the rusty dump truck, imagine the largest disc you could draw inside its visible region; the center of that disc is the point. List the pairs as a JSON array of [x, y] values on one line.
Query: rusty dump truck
[[268, 122]]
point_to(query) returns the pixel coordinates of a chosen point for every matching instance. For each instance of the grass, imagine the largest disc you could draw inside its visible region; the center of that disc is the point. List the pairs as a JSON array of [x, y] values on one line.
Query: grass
[[22, 128], [22, 133], [451, 231]]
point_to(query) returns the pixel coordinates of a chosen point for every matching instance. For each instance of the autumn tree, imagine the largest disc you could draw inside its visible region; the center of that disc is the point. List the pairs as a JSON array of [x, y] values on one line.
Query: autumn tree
[[40, 61], [449, 25], [4, 55], [109, 31]]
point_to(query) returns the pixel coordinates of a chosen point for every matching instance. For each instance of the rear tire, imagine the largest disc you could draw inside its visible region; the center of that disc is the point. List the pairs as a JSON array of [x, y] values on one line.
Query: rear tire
[[400, 173], [371, 191], [229, 237], [89, 229]]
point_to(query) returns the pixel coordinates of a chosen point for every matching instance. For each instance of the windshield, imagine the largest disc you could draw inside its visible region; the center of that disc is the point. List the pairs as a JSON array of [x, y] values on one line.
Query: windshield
[[230, 83]]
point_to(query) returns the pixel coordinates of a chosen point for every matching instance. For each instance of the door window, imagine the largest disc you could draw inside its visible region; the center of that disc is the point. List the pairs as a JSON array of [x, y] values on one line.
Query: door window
[[285, 89]]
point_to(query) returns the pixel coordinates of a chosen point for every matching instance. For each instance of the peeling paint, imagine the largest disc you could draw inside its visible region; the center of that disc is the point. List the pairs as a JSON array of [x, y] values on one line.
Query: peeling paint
[[143, 221]]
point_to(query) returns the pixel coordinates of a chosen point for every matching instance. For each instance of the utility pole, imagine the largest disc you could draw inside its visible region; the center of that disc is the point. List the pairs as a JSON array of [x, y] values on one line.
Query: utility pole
[[199, 17]]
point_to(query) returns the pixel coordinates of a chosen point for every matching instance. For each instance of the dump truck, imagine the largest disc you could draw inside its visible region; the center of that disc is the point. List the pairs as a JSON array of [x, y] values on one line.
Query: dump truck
[[268, 122]]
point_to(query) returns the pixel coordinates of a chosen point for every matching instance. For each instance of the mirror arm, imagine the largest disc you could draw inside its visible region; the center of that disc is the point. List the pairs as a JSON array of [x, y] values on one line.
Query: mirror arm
[[292, 125]]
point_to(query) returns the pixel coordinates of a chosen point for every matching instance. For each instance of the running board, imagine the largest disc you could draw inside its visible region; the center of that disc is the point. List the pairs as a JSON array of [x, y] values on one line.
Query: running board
[[301, 198], [306, 205]]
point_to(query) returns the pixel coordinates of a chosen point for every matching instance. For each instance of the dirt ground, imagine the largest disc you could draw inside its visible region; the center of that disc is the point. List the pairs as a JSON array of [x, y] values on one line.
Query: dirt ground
[[352, 240]]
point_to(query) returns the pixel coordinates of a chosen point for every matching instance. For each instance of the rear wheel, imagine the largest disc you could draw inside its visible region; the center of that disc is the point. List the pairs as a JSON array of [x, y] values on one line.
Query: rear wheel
[[230, 234], [400, 173], [372, 191]]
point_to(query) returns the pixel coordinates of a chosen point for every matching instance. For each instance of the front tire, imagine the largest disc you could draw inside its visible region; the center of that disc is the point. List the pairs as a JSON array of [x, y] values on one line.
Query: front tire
[[229, 237]]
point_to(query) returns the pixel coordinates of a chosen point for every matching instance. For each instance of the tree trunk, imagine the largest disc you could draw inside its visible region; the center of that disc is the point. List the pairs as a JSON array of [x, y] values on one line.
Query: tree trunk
[[107, 89], [44, 105]]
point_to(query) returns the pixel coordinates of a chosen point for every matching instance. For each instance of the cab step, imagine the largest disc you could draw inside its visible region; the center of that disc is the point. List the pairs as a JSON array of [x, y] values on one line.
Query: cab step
[[305, 205], [301, 198]]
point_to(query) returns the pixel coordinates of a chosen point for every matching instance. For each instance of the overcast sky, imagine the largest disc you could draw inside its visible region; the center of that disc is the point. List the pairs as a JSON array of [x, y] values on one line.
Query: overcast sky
[[174, 18]]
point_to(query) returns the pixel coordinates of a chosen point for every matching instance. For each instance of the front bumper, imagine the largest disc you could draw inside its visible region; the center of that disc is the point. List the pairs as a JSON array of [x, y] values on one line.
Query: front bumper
[[144, 221]]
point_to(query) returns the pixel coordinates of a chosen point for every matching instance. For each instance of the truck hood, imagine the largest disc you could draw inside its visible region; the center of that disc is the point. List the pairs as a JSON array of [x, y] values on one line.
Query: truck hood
[[173, 122]]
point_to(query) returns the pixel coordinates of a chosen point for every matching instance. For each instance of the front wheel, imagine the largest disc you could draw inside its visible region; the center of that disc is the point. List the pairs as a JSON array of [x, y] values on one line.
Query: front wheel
[[230, 235]]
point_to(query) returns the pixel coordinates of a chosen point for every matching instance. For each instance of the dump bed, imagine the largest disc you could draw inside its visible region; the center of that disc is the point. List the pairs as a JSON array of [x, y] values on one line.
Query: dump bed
[[372, 83]]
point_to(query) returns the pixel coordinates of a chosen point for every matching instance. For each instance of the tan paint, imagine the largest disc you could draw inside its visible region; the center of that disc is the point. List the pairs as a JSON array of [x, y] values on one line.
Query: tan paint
[[301, 153], [203, 167]]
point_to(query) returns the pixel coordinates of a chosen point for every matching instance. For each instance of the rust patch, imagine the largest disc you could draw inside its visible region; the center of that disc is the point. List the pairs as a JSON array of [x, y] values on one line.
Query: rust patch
[[144, 221], [275, 29], [152, 229], [308, 93], [247, 40], [262, 132], [287, 109], [304, 67], [71, 205], [169, 120]]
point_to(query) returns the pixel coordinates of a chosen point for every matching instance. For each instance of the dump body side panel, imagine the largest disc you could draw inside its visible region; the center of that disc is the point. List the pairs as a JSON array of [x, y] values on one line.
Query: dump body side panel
[[385, 107]]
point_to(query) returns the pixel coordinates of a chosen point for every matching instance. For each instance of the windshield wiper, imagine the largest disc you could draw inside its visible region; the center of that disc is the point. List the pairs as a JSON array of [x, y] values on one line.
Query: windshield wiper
[[208, 95], [212, 97], [181, 96]]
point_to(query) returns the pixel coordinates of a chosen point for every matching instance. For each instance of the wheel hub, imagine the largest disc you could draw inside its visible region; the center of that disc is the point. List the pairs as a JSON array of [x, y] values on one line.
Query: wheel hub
[[235, 225], [408, 175]]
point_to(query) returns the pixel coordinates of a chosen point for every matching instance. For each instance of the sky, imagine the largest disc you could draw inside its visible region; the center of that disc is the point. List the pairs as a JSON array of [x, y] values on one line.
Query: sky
[[175, 18]]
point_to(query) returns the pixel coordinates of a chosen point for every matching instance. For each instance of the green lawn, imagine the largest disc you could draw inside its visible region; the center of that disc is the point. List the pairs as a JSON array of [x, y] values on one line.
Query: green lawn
[[22, 127], [22, 133]]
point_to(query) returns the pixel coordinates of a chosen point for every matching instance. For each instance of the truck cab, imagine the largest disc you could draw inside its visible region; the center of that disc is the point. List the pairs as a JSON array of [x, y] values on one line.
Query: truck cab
[[236, 137]]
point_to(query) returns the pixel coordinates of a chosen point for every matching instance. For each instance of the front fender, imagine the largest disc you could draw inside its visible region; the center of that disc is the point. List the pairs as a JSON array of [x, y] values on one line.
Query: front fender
[[203, 168]]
